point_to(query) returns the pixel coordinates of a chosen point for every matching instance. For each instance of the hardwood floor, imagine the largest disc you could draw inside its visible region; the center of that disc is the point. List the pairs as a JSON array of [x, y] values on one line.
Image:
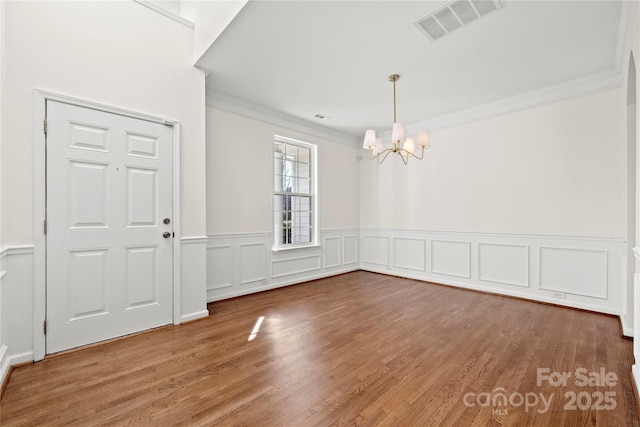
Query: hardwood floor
[[355, 349]]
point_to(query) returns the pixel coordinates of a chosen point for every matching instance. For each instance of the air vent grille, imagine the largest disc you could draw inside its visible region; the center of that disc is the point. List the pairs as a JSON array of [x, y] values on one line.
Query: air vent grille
[[454, 15]]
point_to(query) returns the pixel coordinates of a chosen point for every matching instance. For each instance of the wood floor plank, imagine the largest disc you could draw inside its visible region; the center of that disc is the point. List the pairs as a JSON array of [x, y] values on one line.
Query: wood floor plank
[[350, 350]]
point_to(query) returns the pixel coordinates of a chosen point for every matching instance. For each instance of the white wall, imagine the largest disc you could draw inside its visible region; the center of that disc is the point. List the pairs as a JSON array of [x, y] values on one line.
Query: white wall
[[117, 53], [120, 54], [633, 293], [239, 203], [210, 18], [239, 181], [530, 204], [558, 169]]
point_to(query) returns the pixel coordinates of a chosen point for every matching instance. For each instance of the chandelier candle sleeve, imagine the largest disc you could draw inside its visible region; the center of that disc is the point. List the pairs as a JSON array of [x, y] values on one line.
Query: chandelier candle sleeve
[[409, 146], [369, 140], [397, 134], [379, 148], [400, 144]]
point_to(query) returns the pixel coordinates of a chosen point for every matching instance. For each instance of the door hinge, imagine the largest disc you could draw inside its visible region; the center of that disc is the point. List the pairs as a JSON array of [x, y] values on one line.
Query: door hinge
[[45, 226], [44, 326], [45, 126]]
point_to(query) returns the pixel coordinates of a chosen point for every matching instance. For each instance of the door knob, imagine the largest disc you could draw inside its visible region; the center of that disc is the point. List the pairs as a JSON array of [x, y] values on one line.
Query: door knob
[[166, 234], [166, 220]]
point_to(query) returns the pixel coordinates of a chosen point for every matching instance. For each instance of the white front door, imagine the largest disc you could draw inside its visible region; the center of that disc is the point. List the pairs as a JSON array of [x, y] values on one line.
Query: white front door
[[109, 225]]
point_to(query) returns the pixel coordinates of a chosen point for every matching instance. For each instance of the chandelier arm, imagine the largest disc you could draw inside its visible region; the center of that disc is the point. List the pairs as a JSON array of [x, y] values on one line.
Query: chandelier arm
[[382, 159], [411, 154], [377, 156], [405, 158]]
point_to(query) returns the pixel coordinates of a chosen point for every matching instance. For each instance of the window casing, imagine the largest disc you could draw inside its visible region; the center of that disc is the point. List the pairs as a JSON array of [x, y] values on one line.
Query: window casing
[[294, 195]]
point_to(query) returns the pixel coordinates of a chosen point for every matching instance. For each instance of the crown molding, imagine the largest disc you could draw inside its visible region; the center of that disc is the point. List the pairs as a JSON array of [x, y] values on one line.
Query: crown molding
[[235, 105], [593, 83], [161, 10], [627, 14]]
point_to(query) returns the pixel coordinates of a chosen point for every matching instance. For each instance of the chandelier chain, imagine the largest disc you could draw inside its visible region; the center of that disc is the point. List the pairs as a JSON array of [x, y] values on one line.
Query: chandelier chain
[[394, 101]]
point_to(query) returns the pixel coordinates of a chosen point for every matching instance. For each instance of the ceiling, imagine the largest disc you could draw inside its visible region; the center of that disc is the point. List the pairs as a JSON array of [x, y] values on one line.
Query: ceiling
[[301, 58]]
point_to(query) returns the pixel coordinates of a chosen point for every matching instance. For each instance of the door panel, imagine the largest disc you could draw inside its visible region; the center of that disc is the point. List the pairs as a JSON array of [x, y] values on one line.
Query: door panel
[[88, 283], [142, 145], [89, 137], [142, 197], [109, 187], [88, 194], [142, 281]]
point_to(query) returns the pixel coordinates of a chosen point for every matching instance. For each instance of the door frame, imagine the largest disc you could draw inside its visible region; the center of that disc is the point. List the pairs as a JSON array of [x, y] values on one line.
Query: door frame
[[39, 205]]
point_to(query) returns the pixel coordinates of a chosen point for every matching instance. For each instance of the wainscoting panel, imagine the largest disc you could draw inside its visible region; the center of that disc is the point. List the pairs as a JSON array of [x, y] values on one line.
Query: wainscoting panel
[[219, 267], [451, 258], [576, 271], [349, 249], [252, 263], [293, 266], [240, 264], [16, 311], [499, 263], [332, 249], [193, 270], [581, 272], [409, 254], [375, 250]]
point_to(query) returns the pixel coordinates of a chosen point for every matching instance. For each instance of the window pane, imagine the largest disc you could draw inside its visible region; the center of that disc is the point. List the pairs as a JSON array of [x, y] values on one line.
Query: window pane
[[303, 170], [285, 236], [295, 185], [303, 219], [286, 218], [303, 185], [304, 204], [304, 155], [287, 168], [292, 151], [294, 203], [301, 235]]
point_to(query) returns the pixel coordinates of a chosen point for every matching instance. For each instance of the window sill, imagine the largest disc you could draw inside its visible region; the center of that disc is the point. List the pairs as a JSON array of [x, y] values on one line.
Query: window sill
[[292, 247]]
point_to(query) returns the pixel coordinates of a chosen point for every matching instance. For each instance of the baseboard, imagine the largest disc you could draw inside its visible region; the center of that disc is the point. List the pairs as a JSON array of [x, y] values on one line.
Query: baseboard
[[194, 316], [7, 362], [249, 291], [626, 330], [4, 369], [635, 377], [495, 291]]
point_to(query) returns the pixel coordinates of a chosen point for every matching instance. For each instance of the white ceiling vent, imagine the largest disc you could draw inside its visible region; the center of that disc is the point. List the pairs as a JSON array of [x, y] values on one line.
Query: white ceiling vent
[[454, 15]]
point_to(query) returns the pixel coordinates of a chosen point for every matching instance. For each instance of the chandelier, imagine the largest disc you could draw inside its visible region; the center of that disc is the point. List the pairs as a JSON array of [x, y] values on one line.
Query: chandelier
[[402, 146]]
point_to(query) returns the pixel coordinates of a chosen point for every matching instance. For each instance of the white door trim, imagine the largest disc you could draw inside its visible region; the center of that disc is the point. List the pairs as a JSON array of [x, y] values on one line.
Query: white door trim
[[39, 205]]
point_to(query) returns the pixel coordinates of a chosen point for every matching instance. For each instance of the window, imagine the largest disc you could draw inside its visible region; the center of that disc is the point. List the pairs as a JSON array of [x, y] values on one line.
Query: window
[[294, 197]]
